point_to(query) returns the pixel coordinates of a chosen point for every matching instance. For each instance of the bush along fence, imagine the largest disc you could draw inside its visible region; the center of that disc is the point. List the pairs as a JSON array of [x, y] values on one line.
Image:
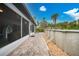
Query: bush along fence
[[67, 40]]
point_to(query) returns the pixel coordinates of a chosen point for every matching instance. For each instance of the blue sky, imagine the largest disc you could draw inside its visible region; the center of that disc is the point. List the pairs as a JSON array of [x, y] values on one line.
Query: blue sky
[[67, 11]]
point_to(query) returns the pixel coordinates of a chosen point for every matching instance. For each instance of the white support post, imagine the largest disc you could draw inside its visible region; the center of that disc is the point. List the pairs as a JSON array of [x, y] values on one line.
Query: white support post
[[29, 27], [21, 26], [34, 29]]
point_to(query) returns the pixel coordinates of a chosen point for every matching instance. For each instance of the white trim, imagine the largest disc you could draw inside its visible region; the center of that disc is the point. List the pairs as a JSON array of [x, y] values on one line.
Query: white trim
[[61, 30]]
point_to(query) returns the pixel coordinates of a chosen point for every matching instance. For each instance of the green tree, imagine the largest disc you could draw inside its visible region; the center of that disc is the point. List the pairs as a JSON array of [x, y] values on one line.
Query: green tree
[[49, 25], [43, 23], [54, 18]]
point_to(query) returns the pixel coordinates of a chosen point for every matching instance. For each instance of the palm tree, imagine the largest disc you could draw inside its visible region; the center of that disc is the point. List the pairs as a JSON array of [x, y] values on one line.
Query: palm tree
[[54, 18]]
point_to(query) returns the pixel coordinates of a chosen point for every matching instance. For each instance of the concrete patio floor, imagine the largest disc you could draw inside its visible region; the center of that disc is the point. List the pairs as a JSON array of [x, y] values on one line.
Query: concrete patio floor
[[33, 46]]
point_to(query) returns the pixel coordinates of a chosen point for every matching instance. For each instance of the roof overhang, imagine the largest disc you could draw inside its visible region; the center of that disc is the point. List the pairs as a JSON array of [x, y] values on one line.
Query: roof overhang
[[21, 10], [22, 7]]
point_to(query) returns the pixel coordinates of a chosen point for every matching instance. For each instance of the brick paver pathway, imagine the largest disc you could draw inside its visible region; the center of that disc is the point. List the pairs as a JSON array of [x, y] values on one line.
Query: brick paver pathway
[[33, 46]]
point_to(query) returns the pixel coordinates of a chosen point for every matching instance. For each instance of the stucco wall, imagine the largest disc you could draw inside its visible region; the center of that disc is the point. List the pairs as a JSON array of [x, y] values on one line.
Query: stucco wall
[[67, 40]]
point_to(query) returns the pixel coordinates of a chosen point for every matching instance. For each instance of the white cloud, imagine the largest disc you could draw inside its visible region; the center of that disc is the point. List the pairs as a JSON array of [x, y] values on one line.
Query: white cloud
[[42, 8], [73, 13]]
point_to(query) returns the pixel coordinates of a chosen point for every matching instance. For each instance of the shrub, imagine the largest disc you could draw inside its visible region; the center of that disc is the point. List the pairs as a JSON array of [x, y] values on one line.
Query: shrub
[[39, 30]]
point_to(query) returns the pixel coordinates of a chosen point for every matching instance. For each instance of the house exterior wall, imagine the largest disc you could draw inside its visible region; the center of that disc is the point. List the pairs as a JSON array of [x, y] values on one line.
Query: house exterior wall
[[19, 27]]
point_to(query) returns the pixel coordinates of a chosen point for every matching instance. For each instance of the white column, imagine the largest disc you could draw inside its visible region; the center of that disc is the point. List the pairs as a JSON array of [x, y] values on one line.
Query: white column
[[29, 27], [21, 26], [34, 29]]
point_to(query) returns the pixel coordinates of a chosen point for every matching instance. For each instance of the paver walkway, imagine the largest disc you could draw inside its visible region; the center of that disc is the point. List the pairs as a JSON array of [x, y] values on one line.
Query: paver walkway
[[32, 47]]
